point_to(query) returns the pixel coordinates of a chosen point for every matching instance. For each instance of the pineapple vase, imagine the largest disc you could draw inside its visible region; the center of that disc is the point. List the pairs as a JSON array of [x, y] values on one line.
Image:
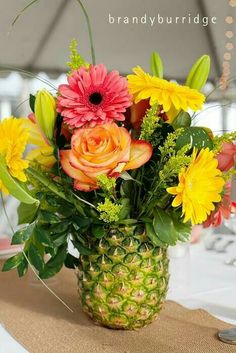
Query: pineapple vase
[[123, 283]]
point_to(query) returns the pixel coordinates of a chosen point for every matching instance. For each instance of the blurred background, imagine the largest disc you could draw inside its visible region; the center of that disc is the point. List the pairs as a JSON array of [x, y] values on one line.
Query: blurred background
[[124, 36]]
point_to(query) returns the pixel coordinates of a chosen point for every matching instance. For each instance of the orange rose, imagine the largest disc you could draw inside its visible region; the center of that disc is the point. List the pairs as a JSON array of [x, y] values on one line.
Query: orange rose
[[103, 149]]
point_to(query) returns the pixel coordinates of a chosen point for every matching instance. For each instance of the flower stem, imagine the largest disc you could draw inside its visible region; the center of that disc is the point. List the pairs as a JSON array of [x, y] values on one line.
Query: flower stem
[[89, 31]]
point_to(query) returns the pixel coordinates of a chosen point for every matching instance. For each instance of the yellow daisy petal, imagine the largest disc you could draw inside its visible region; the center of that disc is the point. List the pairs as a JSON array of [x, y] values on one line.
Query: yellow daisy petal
[[168, 94], [200, 186]]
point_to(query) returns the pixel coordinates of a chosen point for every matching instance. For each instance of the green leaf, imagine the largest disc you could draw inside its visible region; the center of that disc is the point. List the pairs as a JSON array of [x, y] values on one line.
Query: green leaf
[[195, 137], [35, 257], [54, 265], [81, 249], [164, 227], [127, 177], [59, 239], [79, 223], [125, 211], [50, 271], [42, 237], [27, 213], [14, 187], [22, 268], [183, 119], [98, 231], [32, 102], [13, 262], [156, 65], [128, 221], [48, 217], [152, 235], [59, 228], [71, 261], [23, 234], [183, 229]]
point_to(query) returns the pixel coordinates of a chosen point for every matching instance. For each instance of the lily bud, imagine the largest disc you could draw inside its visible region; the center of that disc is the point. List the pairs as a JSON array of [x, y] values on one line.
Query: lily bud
[[156, 65], [45, 113], [198, 74]]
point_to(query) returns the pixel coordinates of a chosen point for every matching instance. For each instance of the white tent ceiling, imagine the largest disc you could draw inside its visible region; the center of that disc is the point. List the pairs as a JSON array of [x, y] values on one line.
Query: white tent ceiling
[[39, 40]]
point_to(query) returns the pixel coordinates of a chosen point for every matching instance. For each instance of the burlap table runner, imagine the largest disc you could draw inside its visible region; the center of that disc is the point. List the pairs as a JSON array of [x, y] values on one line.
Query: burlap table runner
[[41, 324]]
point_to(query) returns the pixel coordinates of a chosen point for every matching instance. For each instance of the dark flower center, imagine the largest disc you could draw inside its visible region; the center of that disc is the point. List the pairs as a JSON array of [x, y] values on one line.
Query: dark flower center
[[95, 98]]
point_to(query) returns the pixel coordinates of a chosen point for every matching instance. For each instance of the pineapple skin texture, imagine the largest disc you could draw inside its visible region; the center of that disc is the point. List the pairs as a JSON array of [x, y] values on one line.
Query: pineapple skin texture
[[123, 284]]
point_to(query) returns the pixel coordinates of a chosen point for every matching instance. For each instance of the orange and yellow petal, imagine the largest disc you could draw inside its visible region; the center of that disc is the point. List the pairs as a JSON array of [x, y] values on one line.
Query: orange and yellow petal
[[140, 153]]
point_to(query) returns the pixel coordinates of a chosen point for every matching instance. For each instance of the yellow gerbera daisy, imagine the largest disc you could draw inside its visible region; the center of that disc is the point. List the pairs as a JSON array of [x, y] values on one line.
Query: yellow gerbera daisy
[[200, 186], [168, 94], [13, 140]]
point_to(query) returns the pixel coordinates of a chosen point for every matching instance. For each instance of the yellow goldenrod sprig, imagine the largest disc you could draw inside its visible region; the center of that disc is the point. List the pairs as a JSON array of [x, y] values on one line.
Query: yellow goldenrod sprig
[[76, 60], [109, 211]]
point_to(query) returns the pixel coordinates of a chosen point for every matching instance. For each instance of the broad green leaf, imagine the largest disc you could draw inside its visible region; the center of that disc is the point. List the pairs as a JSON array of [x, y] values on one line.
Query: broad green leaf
[[128, 221], [98, 231], [71, 261], [54, 265], [59, 239], [23, 234], [48, 217], [26, 213], [125, 211], [42, 237], [22, 267], [13, 186], [81, 248], [59, 228], [50, 271], [164, 227], [13, 262], [183, 229], [183, 119], [152, 235], [156, 65], [35, 257], [195, 137], [58, 258]]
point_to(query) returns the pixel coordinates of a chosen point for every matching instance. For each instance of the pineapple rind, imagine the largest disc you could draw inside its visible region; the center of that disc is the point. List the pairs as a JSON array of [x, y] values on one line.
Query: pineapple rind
[[123, 284]]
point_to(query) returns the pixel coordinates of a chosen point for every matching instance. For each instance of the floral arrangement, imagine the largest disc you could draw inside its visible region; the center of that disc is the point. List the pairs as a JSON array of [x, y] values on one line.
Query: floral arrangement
[[116, 168]]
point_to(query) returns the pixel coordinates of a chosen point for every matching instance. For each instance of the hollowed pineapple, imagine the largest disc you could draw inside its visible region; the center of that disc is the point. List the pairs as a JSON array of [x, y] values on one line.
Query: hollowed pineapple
[[124, 282]]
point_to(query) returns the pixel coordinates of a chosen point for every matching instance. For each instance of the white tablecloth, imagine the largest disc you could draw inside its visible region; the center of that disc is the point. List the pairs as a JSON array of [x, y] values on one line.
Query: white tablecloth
[[199, 280], [202, 280]]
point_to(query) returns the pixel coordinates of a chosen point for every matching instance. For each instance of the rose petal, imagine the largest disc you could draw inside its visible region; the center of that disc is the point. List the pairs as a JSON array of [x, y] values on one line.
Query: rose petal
[[140, 153]]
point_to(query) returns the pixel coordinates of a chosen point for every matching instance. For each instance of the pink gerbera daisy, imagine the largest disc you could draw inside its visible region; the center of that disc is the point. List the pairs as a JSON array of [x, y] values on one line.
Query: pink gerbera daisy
[[93, 96]]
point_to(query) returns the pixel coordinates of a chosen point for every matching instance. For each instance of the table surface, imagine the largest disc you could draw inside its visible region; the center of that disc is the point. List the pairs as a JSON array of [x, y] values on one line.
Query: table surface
[[199, 280], [202, 280]]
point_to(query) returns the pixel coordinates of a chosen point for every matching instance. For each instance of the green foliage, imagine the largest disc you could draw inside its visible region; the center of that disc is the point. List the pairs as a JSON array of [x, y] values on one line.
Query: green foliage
[[76, 60], [13, 262], [109, 211], [107, 184], [22, 235], [219, 140], [172, 167], [183, 119], [169, 146], [156, 65], [164, 227], [27, 213], [15, 188], [149, 124], [195, 137]]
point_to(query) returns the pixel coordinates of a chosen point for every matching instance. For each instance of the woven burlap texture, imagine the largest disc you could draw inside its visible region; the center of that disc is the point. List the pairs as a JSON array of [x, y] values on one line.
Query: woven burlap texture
[[43, 325]]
